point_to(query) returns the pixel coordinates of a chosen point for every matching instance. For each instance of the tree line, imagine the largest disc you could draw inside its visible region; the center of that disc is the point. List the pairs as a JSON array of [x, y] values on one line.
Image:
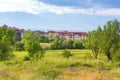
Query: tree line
[[105, 40]]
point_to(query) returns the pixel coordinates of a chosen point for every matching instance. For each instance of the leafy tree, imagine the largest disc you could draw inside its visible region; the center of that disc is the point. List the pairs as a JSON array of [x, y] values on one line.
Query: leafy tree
[[105, 40], [67, 54], [116, 56], [110, 38], [7, 34], [6, 42], [52, 36], [57, 43], [43, 38], [93, 41], [78, 45], [31, 44], [65, 43], [19, 46], [70, 42], [5, 51]]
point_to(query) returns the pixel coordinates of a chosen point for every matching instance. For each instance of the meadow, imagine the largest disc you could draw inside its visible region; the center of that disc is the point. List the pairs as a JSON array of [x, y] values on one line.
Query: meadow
[[53, 66]]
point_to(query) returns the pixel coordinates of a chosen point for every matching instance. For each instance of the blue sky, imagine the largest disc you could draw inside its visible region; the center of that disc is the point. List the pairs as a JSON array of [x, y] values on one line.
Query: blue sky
[[71, 15]]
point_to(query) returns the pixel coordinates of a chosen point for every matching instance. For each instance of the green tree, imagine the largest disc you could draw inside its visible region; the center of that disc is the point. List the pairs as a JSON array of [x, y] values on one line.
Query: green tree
[[56, 43], [31, 44], [105, 40], [78, 45], [65, 43], [43, 38], [5, 51], [19, 46], [93, 41], [110, 38], [67, 54], [7, 36]]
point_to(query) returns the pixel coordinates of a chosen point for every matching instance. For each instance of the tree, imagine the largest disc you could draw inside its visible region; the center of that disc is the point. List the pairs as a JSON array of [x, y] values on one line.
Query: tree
[[65, 43], [43, 38], [5, 51], [56, 43], [31, 44], [6, 42], [70, 43], [67, 54], [105, 40], [110, 38], [7, 34], [19, 46], [78, 45], [93, 41]]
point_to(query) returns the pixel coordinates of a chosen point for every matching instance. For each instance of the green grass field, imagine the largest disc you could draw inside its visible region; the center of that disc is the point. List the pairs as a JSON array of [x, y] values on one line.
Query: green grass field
[[81, 66]]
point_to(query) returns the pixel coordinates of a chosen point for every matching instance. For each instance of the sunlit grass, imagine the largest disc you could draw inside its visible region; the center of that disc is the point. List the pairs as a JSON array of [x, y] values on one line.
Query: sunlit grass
[[81, 66]]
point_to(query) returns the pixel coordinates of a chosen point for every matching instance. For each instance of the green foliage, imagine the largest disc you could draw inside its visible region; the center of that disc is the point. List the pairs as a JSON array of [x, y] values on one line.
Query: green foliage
[[116, 56], [31, 43], [26, 58], [7, 34], [93, 41], [6, 42], [67, 54], [78, 45], [57, 43], [111, 38], [43, 39], [19, 46], [51, 37], [105, 40], [5, 51], [64, 43]]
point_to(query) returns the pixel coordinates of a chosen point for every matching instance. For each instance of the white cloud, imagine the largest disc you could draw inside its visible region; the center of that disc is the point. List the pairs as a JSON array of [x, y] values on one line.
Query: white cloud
[[36, 7]]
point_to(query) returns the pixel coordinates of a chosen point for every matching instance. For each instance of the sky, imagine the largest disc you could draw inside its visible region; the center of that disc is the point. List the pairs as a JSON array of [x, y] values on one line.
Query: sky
[[60, 15]]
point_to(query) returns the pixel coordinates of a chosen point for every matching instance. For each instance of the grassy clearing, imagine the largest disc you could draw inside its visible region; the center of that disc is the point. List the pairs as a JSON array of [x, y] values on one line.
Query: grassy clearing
[[81, 66], [45, 45]]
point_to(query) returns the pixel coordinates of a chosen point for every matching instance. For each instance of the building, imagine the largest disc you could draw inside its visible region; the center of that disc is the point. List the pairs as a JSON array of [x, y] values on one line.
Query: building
[[66, 34], [70, 35]]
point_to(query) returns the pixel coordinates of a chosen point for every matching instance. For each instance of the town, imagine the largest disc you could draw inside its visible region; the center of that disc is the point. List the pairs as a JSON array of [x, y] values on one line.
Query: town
[[69, 35]]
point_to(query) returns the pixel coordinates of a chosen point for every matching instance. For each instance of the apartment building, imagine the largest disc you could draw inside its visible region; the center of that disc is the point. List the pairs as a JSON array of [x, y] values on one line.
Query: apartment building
[[70, 35]]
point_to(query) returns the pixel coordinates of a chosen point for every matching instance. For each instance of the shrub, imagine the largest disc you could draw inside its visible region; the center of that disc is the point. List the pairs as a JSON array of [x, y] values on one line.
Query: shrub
[[5, 51], [67, 54], [19, 46], [116, 56], [26, 58]]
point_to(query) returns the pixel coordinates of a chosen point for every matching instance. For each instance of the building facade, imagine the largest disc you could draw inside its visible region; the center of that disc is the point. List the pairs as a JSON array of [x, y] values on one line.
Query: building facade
[[70, 35]]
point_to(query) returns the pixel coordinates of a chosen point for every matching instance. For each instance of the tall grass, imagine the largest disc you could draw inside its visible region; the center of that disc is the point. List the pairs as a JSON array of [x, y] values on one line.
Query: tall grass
[[81, 66]]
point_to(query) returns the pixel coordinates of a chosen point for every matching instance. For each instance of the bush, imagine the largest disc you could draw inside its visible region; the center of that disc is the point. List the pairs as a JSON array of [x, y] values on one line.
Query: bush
[[5, 51], [78, 45], [116, 56], [19, 46], [26, 58], [66, 54]]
